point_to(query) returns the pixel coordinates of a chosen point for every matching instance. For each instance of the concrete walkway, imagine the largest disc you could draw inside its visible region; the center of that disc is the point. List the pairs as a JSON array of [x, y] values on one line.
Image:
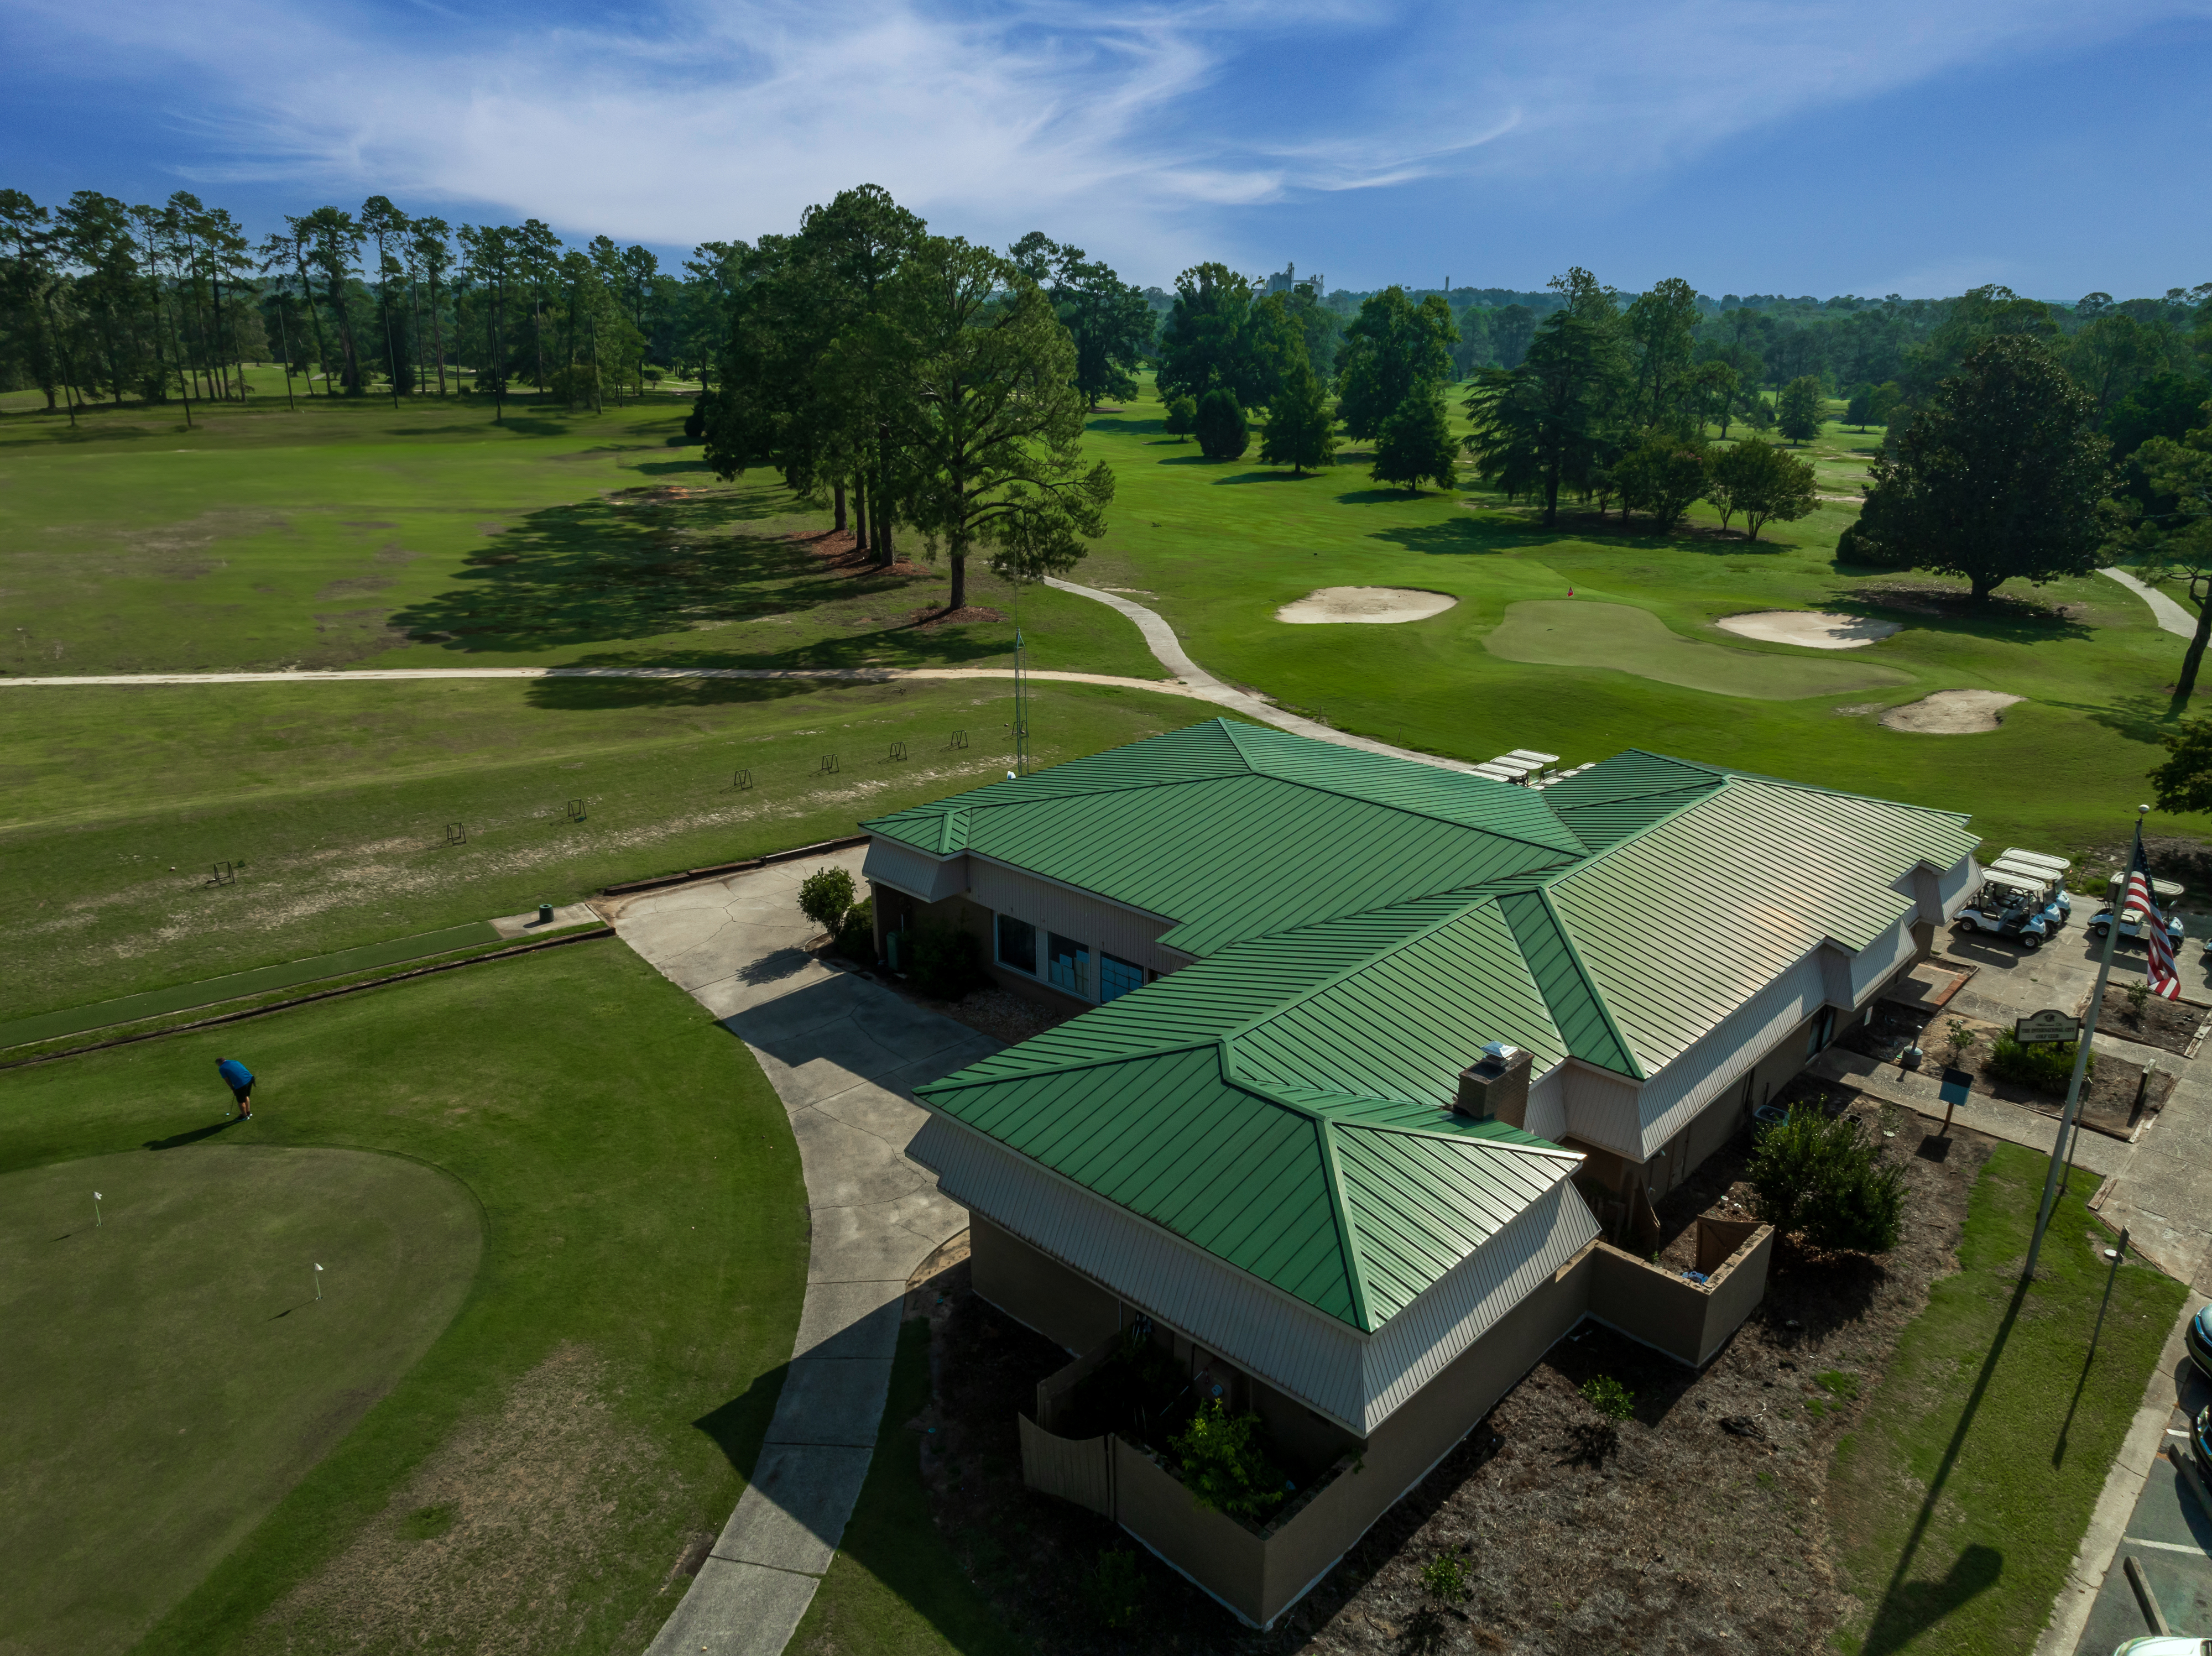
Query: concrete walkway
[[2168, 614], [843, 1054], [1167, 649]]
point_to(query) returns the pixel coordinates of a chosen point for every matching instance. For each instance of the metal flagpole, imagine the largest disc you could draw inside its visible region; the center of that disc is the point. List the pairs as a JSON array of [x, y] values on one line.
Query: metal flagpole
[[1021, 709], [2082, 1056]]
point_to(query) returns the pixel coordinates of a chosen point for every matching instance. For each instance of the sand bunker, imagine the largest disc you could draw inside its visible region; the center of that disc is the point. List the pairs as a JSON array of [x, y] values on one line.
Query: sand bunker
[[1950, 713], [1368, 603], [1818, 629]]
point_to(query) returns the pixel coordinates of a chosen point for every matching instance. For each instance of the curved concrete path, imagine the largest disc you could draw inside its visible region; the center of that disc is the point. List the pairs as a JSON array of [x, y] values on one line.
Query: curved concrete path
[[2169, 614], [844, 1055]]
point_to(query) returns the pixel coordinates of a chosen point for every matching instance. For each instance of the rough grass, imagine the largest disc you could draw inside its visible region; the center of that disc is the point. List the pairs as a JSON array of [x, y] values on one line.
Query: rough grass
[[170, 1372], [590, 1407], [1960, 1501], [1220, 548], [351, 534], [336, 798]]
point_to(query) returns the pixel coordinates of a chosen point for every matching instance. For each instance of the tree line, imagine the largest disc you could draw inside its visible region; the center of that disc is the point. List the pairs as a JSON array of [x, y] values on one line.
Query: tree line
[[101, 300]]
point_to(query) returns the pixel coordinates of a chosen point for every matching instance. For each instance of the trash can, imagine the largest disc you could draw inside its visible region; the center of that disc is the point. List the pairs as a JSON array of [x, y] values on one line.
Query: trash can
[[545, 913]]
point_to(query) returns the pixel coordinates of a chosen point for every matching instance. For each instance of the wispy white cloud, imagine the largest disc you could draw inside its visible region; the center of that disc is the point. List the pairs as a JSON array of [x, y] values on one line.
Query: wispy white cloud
[[1137, 128]]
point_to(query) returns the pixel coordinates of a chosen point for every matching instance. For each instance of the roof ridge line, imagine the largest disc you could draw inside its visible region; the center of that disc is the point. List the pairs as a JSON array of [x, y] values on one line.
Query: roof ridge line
[[1548, 1150], [1460, 907], [1355, 1269], [1427, 816], [1729, 774], [1543, 894], [949, 1083]]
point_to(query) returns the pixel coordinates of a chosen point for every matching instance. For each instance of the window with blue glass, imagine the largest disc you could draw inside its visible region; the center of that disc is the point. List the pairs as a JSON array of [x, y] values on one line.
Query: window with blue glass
[[1016, 944], [1068, 965], [1117, 977]]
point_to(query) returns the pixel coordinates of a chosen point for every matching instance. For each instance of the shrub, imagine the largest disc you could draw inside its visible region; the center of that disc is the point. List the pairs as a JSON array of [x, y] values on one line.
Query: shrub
[[2045, 1066], [1115, 1589], [824, 895], [1660, 476], [574, 384], [856, 933], [1821, 1179], [1444, 1578], [1224, 1466], [944, 961], [1609, 1397], [1222, 433], [1183, 417]]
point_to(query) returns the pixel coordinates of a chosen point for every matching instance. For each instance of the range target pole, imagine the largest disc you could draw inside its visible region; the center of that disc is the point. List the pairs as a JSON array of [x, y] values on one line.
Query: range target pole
[[318, 1281], [96, 1220]]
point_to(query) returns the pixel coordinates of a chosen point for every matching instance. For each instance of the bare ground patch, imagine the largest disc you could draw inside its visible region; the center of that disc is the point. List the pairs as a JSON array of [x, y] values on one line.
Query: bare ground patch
[[1952, 713], [482, 1547]]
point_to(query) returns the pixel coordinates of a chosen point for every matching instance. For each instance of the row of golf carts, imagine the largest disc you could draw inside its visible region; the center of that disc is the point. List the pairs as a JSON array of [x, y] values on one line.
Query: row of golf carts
[[2023, 896]]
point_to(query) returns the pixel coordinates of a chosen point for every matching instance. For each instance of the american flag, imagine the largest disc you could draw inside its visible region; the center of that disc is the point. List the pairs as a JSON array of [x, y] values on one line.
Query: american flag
[[2164, 978]]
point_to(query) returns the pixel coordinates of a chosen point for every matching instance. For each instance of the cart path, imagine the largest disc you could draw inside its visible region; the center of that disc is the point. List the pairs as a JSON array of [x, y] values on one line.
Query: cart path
[[844, 1056], [2168, 614], [1189, 679]]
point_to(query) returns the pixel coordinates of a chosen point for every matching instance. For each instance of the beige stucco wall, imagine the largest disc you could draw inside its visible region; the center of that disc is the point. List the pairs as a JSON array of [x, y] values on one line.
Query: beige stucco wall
[[1658, 1306], [1037, 1290], [1219, 1553]]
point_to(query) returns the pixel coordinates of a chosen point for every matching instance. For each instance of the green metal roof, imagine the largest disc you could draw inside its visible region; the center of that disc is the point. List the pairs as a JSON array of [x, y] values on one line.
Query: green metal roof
[[1365, 925], [1238, 831]]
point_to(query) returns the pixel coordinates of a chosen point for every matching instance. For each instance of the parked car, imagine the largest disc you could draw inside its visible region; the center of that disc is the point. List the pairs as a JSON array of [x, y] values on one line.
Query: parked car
[[2011, 905], [2197, 1336], [2166, 1644]]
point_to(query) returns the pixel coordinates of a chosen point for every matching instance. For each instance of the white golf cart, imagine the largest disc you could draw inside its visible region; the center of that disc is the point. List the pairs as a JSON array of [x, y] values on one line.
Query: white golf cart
[[2015, 906], [2051, 870], [2165, 892]]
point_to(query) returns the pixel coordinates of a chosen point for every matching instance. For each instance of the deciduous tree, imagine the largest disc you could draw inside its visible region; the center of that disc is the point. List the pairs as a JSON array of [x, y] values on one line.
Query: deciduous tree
[[1301, 426], [1999, 477], [1223, 431], [1392, 353], [1762, 482], [1798, 410], [1660, 476], [1416, 444]]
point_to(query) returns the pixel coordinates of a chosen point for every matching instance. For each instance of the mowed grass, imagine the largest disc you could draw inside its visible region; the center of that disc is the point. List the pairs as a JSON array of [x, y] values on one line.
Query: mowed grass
[[1581, 633], [170, 1372], [1219, 547], [532, 1481], [335, 800], [1960, 1500], [896, 1587], [349, 533]]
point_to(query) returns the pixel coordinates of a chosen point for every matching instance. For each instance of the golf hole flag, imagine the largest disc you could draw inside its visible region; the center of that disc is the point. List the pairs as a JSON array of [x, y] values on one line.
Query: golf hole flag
[[2165, 979]]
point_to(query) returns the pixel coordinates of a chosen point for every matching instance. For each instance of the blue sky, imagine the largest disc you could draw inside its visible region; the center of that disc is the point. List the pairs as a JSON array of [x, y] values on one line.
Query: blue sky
[[1752, 146]]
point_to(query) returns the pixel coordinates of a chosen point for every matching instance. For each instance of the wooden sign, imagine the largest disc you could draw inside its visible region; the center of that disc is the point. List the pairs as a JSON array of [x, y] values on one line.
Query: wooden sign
[[2046, 1025]]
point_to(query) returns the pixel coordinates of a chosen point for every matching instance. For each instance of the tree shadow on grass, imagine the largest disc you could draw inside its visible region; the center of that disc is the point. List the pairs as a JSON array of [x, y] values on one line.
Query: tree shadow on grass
[[2145, 719], [1267, 477], [658, 468], [1191, 460], [1123, 426], [1908, 1607], [2008, 620]]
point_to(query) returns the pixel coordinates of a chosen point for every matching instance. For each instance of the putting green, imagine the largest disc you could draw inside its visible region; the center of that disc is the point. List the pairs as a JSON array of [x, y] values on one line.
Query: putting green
[[170, 1373], [1576, 632]]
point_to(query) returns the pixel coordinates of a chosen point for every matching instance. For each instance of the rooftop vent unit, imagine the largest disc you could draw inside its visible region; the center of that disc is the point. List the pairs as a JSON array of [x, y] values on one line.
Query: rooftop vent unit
[[1495, 1088]]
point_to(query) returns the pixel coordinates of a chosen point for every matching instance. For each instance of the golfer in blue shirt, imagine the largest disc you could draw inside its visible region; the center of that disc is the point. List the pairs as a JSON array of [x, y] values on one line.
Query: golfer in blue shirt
[[242, 1084]]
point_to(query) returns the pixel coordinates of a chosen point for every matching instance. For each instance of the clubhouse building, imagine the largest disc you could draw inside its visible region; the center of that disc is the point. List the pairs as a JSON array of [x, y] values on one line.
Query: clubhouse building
[[1374, 1058]]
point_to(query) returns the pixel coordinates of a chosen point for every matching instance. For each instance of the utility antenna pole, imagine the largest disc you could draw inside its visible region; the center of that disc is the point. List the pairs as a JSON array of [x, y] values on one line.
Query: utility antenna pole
[[2081, 1054], [1021, 708]]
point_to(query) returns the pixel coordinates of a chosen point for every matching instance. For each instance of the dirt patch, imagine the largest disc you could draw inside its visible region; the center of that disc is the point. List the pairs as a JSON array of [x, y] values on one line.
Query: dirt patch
[[1816, 629], [1700, 1524], [1376, 605], [2175, 1025], [839, 554], [1952, 713], [476, 1551], [928, 616], [1859, 708]]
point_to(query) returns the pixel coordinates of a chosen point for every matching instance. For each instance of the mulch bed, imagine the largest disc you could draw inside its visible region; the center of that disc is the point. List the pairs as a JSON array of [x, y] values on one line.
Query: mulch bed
[[2108, 1096], [1700, 1524], [2172, 1024]]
